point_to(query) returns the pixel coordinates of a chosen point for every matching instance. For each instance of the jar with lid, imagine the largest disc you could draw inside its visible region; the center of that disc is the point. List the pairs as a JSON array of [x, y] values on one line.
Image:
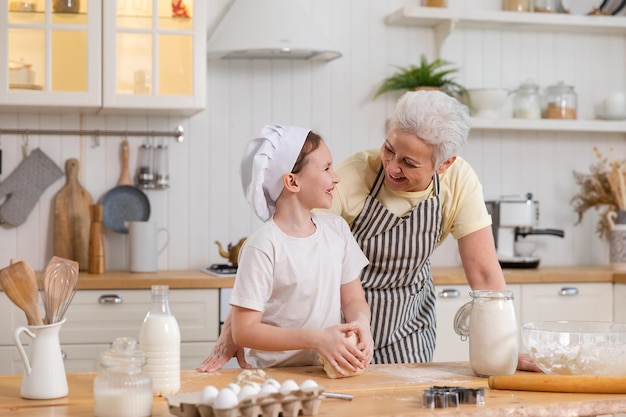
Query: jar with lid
[[545, 6], [527, 101], [517, 5], [561, 102], [490, 324], [122, 389]]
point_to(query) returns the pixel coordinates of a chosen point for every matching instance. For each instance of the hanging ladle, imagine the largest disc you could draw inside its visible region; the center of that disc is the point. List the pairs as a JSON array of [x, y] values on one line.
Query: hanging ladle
[[20, 285]]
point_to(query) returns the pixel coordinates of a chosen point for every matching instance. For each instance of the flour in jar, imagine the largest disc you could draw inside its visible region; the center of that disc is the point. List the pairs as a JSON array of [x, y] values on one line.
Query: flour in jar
[[493, 335]]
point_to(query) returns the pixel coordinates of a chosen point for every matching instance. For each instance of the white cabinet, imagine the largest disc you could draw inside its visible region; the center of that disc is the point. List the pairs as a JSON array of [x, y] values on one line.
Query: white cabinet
[[114, 56], [96, 318], [450, 298], [51, 59]]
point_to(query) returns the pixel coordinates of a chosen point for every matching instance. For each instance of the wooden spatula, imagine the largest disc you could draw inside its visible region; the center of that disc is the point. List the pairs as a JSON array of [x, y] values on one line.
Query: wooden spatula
[[20, 285]]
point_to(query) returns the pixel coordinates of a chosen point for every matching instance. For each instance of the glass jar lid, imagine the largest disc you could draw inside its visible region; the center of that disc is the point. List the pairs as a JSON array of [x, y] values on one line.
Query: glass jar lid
[[123, 354]]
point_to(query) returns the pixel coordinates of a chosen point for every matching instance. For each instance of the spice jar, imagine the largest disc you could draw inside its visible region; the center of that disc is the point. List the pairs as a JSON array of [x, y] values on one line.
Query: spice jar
[[527, 101], [489, 322], [545, 6], [517, 5], [560, 102], [122, 389]]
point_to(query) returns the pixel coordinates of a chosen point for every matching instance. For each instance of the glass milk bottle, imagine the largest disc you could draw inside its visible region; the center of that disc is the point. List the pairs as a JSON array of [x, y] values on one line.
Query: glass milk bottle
[[489, 322], [122, 389], [159, 339]]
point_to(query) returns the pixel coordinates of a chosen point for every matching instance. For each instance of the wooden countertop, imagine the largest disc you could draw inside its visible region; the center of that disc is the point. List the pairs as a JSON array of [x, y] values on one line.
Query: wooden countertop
[[441, 276], [382, 390]]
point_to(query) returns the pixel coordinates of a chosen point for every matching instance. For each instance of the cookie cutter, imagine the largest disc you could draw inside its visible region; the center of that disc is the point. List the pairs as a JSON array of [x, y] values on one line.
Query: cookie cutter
[[444, 397]]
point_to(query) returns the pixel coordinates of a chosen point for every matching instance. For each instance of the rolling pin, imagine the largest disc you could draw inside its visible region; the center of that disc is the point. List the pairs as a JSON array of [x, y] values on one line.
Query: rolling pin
[[559, 383]]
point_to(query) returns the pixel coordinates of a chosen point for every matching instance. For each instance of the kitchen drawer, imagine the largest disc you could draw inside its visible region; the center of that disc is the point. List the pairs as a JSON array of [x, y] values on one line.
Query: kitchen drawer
[[619, 310], [86, 358], [567, 301], [101, 316], [90, 321]]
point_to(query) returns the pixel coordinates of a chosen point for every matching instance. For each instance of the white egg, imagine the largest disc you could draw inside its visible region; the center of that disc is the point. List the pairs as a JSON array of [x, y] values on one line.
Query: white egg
[[225, 399], [208, 394], [234, 388], [272, 382], [255, 385], [247, 391], [288, 386], [267, 389], [308, 383]]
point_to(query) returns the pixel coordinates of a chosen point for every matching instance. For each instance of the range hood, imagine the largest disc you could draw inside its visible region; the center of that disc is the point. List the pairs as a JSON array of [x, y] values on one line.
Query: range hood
[[269, 29]]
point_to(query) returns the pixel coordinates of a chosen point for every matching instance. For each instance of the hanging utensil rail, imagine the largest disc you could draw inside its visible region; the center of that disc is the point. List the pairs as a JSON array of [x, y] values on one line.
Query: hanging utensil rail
[[177, 134]]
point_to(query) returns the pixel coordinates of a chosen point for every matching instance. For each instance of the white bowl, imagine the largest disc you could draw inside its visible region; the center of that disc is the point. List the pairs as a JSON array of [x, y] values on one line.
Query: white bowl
[[486, 102]]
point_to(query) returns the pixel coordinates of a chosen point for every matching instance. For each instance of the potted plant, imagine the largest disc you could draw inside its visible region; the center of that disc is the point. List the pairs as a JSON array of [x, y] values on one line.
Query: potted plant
[[435, 74], [604, 187]]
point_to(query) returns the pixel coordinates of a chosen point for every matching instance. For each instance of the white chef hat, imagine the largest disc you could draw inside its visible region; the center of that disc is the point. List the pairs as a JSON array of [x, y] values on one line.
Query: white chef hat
[[266, 160]]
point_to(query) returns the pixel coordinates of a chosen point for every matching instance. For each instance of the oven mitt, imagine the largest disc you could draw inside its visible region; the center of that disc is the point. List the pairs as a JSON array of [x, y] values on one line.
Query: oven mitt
[[24, 186]]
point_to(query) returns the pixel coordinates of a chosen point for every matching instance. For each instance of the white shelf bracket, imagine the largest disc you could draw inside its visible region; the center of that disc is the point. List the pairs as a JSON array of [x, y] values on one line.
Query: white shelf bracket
[[442, 30]]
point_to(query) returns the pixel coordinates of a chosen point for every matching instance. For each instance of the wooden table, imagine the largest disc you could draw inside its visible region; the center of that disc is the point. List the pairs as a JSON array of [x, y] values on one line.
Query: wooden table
[[383, 390]]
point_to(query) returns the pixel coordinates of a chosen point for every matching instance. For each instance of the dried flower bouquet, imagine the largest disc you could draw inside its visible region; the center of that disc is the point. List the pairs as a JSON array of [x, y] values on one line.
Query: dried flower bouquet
[[604, 186]]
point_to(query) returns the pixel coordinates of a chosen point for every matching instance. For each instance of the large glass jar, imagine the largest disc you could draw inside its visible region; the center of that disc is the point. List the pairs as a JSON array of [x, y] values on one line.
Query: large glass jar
[[527, 101], [561, 102], [122, 389], [489, 322]]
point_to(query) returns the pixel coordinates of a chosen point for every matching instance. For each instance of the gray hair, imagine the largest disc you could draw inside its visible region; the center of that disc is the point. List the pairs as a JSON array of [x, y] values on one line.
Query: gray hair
[[436, 118]]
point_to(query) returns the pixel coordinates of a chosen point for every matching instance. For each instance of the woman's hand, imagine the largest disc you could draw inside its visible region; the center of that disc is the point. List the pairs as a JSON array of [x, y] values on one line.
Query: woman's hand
[[339, 352], [525, 363], [225, 348]]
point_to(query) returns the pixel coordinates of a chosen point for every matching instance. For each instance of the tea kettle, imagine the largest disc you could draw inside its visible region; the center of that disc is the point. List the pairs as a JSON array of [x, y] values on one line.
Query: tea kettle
[[232, 253]]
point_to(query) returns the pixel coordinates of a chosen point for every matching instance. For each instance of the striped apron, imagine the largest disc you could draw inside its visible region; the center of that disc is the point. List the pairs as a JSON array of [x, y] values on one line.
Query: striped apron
[[397, 282]]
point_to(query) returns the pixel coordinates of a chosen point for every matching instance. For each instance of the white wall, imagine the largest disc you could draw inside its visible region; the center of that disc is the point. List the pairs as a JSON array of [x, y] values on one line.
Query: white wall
[[205, 202]]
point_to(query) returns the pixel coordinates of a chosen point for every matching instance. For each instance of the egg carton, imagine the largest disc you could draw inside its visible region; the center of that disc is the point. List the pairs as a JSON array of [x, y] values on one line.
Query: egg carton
[[305, 402]]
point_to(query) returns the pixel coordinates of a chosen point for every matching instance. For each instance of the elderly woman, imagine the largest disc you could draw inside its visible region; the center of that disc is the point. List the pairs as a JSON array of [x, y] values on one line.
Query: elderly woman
[[401, 202]]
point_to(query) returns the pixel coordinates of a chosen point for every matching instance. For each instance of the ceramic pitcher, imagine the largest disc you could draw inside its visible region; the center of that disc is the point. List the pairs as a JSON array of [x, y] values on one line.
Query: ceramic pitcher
[[44, 372], [143, 250], [617, 239]]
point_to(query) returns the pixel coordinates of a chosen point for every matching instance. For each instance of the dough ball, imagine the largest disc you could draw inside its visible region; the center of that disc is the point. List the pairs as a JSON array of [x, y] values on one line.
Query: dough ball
[[330, 371]]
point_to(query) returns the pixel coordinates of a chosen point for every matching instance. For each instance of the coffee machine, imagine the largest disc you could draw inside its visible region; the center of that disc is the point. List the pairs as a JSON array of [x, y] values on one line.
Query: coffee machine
[[514, 218]]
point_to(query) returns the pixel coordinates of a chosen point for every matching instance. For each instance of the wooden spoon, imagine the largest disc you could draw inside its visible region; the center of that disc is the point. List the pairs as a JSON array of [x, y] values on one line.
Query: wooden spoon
[[20, 285]]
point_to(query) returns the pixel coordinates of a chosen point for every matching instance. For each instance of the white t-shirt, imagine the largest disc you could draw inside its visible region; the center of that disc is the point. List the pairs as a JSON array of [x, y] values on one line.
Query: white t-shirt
[[295, 281]]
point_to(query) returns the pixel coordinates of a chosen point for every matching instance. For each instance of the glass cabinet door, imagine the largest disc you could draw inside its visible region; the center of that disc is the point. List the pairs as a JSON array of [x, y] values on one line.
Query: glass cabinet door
[[53, 53], [154, 55]]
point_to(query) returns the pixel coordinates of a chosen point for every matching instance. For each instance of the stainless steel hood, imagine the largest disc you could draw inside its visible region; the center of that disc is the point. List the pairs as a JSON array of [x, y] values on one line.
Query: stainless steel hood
[[269, 29]]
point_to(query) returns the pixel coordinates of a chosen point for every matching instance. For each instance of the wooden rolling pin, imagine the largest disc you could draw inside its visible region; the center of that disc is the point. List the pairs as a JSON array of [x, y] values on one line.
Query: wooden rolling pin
[[559, 383]]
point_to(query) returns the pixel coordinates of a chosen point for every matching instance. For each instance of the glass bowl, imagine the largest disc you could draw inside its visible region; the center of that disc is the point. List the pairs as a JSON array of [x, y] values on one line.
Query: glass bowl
[[577, 347]]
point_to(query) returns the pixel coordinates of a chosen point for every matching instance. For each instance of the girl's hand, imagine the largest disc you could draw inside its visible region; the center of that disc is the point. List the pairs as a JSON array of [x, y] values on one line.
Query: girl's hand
[[334, 345]]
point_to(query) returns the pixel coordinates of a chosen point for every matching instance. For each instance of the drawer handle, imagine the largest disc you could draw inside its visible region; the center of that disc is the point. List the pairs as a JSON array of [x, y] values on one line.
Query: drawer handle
[[450, 293], [569, 291], [63, 354], [110, 299]]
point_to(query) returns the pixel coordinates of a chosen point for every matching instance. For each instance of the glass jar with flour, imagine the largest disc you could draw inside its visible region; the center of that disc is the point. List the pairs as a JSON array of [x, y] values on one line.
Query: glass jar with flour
[[527, 101], [490, 324]]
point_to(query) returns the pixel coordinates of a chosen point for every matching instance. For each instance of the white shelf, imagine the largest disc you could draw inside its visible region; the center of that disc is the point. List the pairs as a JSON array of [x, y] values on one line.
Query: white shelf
[[488, 19], [606, 126]]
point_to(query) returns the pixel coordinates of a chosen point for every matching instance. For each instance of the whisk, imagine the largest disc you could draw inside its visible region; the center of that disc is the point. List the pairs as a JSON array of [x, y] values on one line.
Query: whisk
[[59, 286]]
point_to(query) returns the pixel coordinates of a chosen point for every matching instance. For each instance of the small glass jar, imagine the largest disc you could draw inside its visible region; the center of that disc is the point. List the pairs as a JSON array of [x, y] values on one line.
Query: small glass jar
[[489, 322], [516, 5], [545, 6], [527, 101], [122, 389], [561, 102]]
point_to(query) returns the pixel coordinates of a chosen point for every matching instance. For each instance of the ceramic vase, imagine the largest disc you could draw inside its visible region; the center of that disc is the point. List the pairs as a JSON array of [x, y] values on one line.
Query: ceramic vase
[[617, 240]]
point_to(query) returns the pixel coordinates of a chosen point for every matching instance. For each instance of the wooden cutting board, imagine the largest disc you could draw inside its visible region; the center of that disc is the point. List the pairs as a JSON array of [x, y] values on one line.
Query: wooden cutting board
[[72, 218]]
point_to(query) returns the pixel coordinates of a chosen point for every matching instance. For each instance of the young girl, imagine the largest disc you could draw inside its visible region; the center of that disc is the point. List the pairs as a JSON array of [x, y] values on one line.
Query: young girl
[[297, 294]]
